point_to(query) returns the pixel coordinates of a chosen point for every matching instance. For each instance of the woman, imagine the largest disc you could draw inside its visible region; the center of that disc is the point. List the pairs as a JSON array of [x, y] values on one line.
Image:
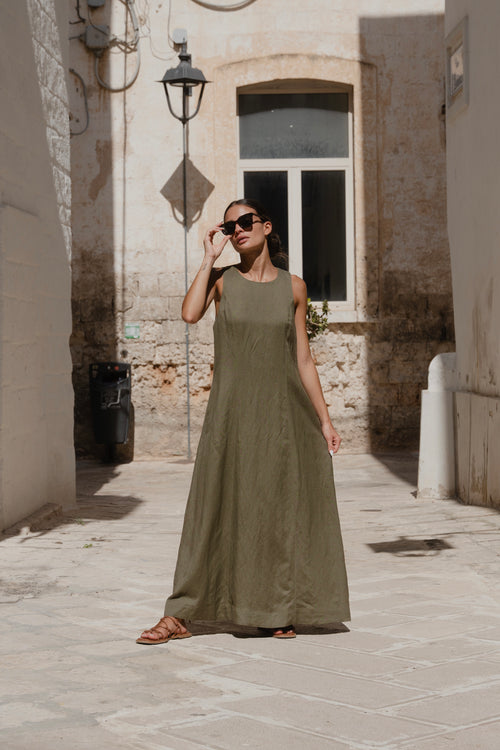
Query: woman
[[261, 543]]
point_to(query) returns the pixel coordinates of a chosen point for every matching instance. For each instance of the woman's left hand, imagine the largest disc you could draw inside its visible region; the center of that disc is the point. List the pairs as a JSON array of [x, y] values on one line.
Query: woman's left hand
[[331, 436]]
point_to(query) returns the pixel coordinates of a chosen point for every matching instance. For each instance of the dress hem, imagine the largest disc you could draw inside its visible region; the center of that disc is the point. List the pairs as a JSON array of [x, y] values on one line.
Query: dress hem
[[261, 620]]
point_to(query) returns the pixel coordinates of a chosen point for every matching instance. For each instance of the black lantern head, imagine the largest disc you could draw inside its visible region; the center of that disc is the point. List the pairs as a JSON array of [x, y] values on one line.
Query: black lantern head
[[186, 77], [184, 74]]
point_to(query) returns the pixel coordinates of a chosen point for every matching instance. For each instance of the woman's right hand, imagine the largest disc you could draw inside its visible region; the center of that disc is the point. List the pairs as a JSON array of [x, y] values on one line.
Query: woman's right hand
[[213, 250]]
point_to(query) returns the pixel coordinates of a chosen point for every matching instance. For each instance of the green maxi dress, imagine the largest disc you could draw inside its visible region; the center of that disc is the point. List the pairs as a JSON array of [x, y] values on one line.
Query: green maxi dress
[[261, 543]]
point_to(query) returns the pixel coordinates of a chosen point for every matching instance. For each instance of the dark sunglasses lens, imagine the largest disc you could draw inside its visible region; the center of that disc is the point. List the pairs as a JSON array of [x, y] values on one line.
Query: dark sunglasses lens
[[228, 227], [246, 221]]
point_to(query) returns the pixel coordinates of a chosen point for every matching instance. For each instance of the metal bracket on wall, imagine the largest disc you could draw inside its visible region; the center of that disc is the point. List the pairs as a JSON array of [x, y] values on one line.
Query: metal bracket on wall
[[95, 3]]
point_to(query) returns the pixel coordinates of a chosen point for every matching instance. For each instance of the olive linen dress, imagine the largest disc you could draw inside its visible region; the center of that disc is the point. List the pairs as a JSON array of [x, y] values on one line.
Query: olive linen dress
[[261, 543]]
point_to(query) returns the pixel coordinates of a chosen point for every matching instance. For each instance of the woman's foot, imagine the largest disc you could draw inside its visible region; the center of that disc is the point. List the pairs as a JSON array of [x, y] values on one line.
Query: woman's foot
[[167, 629], [287, 632]]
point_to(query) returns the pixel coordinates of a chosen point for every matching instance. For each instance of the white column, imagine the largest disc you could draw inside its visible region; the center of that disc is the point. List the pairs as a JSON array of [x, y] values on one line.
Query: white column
[[436, 465]]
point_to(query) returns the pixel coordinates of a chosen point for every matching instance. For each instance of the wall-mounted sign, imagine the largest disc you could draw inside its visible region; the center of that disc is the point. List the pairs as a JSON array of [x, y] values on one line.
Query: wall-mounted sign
[[457, 69], [132, 330]]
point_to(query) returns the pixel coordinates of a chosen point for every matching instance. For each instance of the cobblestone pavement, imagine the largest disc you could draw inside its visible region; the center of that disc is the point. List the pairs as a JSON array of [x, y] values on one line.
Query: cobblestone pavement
[[418, 668]]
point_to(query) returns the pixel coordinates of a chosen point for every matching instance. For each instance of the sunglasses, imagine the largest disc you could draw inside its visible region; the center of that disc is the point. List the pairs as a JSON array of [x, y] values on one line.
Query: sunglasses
[[245, 222]]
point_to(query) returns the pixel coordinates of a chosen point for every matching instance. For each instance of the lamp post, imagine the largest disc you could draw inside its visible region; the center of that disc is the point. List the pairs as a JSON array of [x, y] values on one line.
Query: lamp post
[[187, 78]]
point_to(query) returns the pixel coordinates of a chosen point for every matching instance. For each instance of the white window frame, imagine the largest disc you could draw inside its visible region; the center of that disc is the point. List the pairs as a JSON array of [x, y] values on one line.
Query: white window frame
[[294, 169]]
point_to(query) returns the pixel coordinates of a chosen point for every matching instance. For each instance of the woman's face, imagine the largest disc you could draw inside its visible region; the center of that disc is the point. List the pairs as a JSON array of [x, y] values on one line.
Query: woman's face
[[252, 238]]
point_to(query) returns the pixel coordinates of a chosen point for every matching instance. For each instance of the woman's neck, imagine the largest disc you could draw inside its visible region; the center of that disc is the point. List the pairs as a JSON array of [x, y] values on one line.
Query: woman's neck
[[257, 266]]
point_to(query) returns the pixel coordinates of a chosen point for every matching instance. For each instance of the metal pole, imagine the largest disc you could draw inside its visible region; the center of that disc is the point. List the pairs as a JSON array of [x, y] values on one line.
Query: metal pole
[[184, 196]]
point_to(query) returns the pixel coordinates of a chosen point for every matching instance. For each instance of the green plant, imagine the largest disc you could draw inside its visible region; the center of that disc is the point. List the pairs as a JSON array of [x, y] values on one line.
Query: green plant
[[86, 546], [316, 322]]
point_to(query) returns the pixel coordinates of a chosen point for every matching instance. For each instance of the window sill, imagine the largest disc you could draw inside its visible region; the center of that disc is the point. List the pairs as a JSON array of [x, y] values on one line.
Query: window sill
[[344, 314]]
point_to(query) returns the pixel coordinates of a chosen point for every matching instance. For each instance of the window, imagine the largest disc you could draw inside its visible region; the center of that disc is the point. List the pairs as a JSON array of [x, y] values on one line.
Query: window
[[296, 158]]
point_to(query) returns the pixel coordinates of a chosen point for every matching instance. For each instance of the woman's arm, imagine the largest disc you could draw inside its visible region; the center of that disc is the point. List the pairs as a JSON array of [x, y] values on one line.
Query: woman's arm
[[203, 289], [307, 368]]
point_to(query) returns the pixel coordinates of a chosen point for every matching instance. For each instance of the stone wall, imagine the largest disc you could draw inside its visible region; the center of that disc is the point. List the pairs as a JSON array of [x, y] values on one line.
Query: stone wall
[[36, 396], [128, 241]]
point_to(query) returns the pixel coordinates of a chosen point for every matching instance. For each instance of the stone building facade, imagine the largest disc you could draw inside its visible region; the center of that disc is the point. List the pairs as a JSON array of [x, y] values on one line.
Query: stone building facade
[[37, 461], [387, 60]]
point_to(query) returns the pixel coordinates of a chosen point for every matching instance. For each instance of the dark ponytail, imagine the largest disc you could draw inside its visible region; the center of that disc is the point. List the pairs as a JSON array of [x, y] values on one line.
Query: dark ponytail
[[277, 253]]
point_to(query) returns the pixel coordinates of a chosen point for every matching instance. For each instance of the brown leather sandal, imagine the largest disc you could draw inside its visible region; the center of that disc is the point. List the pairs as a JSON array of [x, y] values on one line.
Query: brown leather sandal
[[165, 631]]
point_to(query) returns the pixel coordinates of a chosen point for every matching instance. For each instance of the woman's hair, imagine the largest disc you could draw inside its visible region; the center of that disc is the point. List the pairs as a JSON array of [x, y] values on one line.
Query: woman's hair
[[278, 255]]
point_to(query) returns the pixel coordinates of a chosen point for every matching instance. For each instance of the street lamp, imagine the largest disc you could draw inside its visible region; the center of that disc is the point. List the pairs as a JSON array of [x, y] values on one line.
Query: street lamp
[[188, 78]]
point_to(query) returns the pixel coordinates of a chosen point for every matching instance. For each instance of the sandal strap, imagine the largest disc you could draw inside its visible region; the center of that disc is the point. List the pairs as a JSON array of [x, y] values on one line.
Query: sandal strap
[[162, 627]]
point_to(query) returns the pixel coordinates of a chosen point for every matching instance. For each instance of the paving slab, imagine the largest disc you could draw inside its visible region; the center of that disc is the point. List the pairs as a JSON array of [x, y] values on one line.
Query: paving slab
[[457, 674], [310, 652], [449, 649], [69, 737], [321, 683], [487, 634], [459, 708], [329, 719], [418, 666], [480, 737], [229, 733]]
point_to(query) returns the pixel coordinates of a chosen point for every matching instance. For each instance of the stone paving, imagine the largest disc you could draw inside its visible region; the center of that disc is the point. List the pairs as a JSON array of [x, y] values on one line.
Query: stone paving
[[417, 668]]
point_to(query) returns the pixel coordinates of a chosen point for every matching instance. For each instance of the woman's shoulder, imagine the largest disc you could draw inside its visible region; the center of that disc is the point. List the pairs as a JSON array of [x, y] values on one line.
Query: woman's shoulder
[[299, 286], [219, 273]]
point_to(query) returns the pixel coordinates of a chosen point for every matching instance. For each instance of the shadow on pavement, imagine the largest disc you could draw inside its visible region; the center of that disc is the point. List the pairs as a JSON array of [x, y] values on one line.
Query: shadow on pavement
[[241, 631], [100, 508], [405, 547], [104, 508], [91, 475], [403, 465], [90, 478]]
